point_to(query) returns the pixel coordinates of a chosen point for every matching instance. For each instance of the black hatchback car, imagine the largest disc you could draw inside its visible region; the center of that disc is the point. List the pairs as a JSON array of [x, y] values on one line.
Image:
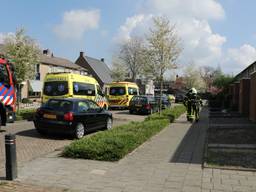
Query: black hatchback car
[[72, 116], [165, 101], [143, 104]]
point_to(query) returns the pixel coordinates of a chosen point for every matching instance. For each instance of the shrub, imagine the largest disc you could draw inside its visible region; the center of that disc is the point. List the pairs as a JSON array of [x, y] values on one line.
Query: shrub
[[26, 100], [25, 114], [170, 114], [115, 144]]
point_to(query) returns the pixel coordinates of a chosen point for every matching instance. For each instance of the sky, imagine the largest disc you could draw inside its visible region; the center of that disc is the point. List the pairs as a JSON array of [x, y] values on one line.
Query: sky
[[213, 33]]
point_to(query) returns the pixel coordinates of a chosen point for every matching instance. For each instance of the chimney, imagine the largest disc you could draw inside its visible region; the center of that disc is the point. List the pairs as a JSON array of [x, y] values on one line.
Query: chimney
[[47, 52], [102, 60], [81, 54]]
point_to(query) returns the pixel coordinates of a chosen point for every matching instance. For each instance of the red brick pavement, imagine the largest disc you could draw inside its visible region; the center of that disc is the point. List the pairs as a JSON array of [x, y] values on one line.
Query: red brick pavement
[[30, 144], [20, 187]]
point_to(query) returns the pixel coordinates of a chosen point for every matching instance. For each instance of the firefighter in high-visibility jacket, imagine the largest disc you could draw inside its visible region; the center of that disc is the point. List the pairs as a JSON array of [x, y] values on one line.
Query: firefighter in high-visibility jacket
[[192, 101]]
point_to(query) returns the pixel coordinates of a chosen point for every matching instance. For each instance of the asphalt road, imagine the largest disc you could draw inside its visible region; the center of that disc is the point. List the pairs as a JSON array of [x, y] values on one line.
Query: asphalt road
[[31, 145]]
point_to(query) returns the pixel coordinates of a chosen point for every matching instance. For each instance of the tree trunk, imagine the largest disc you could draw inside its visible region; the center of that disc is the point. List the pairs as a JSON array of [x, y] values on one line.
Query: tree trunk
[[161, 93]]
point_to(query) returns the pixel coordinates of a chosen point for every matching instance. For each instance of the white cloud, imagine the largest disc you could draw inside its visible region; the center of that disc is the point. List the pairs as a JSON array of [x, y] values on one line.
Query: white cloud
[[199, 9], [3, 36], [131, 24], [200, 43], [239, 58], [76, 22]]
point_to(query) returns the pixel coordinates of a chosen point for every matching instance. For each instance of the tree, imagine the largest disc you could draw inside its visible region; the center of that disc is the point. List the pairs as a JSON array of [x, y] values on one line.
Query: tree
[[207, 74], [163, 49], [222, 81], [24, 52], [118, 72], [131, 56], [192, 77]]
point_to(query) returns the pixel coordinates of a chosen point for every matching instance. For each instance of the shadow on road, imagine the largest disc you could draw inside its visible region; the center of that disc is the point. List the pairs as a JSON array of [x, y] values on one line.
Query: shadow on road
[[190, 149], [33, 133]]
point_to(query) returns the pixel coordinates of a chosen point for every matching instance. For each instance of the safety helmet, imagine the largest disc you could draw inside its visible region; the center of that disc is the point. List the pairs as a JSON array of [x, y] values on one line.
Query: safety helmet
[[193, 90]]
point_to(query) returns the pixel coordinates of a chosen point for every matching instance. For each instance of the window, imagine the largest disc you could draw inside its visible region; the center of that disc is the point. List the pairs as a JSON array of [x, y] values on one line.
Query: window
[[56, 88], [82, 106], [37, 72], [93, 105], [4, 76], [83, 89], [132, 91], [34, 94], [37, 68], [60, 105], [117, 91]]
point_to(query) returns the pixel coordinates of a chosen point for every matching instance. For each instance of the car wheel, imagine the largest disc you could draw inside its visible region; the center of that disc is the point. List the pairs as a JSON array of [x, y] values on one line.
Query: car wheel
[[79, 131], [109, 123], [131, 111]]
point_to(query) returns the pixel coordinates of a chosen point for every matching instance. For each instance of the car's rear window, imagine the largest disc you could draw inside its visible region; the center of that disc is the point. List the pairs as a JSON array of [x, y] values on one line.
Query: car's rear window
[[55, 88], [140, 100], [117, 91], [59, 105]]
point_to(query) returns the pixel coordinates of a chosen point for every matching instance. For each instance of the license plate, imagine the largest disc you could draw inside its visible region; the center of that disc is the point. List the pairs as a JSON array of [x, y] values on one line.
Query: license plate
[[49, 116], [138, 105]]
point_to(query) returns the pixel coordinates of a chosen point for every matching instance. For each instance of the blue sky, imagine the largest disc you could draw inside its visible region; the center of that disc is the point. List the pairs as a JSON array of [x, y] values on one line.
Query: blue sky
[[212, 32]]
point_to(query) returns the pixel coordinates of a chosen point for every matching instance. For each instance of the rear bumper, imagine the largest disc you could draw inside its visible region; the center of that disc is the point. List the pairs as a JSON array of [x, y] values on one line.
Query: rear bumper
[[54, 127], [139, 110]]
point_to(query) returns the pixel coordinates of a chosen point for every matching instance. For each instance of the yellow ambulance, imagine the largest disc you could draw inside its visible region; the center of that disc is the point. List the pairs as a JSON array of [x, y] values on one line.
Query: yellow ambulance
[[119, 94], [66, 85]]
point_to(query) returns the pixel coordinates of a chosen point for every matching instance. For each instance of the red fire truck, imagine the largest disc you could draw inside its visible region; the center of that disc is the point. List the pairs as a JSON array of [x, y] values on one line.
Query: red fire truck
[[7, 92]]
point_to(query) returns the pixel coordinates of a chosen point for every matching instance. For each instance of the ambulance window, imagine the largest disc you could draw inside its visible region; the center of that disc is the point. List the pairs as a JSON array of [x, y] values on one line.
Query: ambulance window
[[117, 90], [56, 88], [83, 89], [132, 91]]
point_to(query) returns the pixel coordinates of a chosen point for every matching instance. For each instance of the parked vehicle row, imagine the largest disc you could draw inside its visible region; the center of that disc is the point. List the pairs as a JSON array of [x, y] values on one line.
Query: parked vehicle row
[[146, 104], [75, 104]]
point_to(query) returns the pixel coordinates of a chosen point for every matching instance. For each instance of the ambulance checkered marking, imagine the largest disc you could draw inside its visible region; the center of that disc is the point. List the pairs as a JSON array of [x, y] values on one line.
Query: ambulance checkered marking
[[121, 102], [100, 100]]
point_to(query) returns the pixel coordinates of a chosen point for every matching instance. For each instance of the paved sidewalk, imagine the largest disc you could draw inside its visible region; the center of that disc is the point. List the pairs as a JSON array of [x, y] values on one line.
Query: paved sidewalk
[[170, 161]]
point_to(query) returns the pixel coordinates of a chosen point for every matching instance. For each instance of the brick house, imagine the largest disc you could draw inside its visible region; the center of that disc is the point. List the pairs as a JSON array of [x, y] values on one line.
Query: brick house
[[48, 64], [95, 67]]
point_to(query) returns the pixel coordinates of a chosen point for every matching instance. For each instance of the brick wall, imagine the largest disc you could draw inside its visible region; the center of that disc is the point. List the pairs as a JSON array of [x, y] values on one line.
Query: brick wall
[[252, 115], [244, 96], [235, 96]]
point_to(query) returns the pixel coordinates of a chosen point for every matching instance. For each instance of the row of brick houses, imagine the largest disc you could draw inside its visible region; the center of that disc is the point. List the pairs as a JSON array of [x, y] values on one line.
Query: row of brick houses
[[243, 92], [49, 63]]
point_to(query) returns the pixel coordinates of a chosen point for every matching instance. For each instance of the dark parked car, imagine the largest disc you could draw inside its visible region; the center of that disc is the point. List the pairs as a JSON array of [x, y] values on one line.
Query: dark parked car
[[165, 102], [72, 116], [143, 104], [179, 98]]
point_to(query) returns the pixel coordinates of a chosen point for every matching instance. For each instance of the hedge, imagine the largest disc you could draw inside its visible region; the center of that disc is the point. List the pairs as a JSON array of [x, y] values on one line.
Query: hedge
[[115, 144], [25, 114]]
